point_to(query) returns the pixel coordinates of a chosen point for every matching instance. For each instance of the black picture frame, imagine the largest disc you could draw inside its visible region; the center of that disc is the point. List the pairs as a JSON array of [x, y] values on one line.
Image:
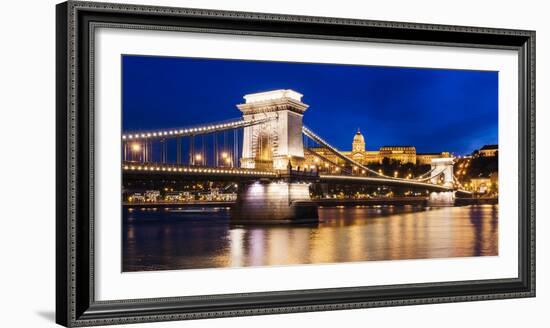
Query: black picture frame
[[75, 302]]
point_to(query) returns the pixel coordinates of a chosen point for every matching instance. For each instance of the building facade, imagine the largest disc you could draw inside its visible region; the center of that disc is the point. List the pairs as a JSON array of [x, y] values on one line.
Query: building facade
[[403, 154], [488, 151], [426, 158]]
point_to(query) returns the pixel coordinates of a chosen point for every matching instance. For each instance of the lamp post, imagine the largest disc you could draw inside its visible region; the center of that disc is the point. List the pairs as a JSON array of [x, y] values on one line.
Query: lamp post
[[226, 160], [198, 159], [136, 149]]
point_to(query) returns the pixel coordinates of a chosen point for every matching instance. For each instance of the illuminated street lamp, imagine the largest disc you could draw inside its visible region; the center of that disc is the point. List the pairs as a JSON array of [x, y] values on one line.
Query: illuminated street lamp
[[135, 149], [198, 157], [226, 158], [395, 173]]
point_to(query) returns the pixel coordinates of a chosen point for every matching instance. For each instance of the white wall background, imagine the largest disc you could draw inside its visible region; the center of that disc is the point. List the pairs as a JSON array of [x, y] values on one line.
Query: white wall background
[[27, 75]]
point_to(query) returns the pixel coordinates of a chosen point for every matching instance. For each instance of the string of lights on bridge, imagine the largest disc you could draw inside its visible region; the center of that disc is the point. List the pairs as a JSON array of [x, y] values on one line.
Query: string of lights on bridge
[[188, 169], [190, 131]]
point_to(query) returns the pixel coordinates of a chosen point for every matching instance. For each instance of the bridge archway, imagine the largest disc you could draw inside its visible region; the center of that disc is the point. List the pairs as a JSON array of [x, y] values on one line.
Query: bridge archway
[[273, 143], [264, 150]]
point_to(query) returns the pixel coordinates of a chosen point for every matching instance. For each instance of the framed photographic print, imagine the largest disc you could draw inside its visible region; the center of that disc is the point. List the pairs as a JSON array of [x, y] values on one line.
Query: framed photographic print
[[215, 163]]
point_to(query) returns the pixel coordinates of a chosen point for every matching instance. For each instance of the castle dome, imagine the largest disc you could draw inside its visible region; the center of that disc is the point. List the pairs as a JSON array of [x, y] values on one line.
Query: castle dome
[[358, 144], [358, 138]]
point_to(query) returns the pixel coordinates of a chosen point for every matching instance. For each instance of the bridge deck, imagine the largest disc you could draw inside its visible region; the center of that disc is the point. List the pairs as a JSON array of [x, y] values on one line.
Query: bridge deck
[[382, 181], [137, 170]]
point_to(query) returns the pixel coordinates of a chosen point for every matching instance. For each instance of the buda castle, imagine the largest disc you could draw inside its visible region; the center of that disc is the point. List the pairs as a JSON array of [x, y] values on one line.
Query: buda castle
[[360, 154]]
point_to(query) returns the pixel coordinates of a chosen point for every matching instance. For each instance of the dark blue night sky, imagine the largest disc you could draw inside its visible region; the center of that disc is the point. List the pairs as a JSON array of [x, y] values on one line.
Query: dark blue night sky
[[432, 109]]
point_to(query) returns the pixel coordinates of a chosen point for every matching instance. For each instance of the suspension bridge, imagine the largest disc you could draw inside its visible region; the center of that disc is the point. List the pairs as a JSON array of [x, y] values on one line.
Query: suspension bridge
[[265, 151]]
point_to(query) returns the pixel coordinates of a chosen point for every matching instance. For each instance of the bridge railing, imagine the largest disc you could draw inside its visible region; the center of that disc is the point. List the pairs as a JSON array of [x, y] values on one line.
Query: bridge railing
[[196, 170], [298, 174]]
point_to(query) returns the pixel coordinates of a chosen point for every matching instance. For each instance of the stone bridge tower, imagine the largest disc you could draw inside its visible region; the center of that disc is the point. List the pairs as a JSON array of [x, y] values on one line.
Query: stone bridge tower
[[442, 166], [272, 144]]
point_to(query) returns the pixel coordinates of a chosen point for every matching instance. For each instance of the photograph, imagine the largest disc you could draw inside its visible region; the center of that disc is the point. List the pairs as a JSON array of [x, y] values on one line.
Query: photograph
[[235, 161], [230, 163]]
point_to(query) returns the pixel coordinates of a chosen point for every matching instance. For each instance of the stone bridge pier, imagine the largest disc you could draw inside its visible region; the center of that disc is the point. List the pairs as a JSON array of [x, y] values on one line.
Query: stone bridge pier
[[274, 202]]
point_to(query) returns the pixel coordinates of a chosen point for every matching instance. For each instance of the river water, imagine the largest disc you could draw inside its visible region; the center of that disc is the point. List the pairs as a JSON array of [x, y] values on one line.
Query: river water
[[170, 239]]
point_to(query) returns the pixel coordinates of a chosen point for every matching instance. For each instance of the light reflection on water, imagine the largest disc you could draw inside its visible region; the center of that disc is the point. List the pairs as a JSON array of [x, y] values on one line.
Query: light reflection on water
[[165, 240]]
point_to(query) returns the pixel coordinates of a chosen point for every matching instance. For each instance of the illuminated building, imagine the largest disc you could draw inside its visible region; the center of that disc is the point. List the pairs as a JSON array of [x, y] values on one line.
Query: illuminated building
[[426, 158], [151, 195], [488, 151], [485, 184], [403, 154], [480, 185], [359, 153]]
